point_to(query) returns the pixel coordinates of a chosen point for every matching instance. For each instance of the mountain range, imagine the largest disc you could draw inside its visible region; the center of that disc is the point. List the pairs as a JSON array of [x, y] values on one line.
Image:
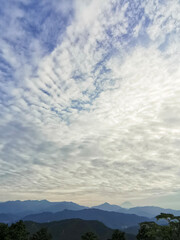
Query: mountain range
[[113, 216], [110, 219], [23, 208], [145, 211]]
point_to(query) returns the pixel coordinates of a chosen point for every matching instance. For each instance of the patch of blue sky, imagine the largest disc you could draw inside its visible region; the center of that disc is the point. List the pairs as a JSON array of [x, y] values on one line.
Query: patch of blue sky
[[20, 46], [132, 23], [3, 96], [45, 23], [45, 92], [101, 64], [48, 32], [104, 70], [80, 105], [143, 38], [34, 33], [5, 70], [56, 111], [63, 115], [102, 78], [168, 40], [93, 96], [134, 14], [128, 40], [79, 76], [5, 99], [134, 10], [165, 44]]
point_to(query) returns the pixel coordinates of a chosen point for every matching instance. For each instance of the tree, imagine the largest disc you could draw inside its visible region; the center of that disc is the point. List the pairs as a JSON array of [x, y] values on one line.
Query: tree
[[89, 236], [153, 231], [17, 231], [4, 232], [118, 235], [147, 231], [172, 230], [42, 234]]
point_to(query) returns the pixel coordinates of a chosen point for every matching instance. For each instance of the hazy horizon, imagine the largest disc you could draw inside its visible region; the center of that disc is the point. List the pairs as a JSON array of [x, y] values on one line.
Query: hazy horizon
[[141, 203], [89, 101]]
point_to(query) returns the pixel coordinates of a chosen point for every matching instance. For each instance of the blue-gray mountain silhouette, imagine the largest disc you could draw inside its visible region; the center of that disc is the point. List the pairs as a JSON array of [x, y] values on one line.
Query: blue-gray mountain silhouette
[[110, 219]]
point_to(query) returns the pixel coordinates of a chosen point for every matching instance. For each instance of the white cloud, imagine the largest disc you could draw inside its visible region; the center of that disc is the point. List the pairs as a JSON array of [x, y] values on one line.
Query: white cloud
[[94, 122]]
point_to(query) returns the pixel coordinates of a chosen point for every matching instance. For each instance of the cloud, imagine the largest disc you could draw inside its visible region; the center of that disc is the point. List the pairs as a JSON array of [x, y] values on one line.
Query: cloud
[[98, 112]]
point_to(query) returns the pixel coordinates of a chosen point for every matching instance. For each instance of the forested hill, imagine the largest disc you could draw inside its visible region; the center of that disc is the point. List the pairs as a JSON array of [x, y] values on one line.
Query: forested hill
[[110, 219], [73, 229]]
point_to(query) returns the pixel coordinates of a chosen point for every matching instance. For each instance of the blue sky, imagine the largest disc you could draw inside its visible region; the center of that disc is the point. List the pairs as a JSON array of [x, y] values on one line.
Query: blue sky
[[89, 101]]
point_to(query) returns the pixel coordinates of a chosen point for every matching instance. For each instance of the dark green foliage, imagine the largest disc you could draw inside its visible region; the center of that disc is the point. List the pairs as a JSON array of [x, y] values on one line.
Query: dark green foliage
[[147, 231], [118, 235], [42, 234], [153, 231], [73, 229], [64, 230], [17, 231], [89, 236], [4, 232]]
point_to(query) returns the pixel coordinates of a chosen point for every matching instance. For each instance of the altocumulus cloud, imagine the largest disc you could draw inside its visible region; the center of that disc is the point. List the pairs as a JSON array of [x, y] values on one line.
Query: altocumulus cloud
[[89, 98]]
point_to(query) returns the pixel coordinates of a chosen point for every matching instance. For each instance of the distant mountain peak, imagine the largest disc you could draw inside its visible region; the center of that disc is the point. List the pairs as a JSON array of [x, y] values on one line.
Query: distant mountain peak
[[106, 204], [108, 207], [127, 204]]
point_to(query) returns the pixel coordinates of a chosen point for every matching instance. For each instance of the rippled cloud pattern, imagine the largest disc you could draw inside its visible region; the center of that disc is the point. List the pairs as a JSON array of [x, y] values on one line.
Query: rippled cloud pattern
[[89, 100]]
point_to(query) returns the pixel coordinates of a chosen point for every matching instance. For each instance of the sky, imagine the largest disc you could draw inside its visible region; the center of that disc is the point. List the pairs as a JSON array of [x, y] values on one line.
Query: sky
[[89, 101]]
